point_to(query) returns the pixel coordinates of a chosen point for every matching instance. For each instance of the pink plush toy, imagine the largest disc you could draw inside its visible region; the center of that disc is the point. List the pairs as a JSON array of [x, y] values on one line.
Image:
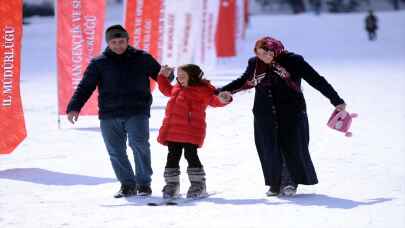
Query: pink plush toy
[[341, 121]]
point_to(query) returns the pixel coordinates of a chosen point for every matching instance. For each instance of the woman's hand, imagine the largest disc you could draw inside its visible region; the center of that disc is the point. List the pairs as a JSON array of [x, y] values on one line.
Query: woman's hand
[[341, 107], [166, 71], [225, 97], [72, 116]]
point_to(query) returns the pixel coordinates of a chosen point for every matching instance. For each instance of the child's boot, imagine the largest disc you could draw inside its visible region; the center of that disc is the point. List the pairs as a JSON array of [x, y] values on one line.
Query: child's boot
[[172, 179], [197, 180]]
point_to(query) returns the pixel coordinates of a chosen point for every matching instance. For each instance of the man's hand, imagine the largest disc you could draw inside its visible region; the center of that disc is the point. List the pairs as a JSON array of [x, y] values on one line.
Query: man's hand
[[225, 97], [166, 71], [73, 116]]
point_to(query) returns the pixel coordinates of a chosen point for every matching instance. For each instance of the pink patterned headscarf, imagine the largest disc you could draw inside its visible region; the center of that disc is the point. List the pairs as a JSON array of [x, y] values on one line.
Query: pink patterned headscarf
[[268, 42]]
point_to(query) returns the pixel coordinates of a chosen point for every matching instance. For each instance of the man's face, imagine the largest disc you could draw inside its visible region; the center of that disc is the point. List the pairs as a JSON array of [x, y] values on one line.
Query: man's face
[[118, 45]]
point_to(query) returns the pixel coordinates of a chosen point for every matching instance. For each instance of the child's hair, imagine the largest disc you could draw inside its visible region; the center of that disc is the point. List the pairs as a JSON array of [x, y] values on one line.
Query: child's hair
[[194, 72]]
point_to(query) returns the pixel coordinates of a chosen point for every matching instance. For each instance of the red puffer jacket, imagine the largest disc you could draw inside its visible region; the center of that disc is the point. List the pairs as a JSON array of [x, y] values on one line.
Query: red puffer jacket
[[184, 119]]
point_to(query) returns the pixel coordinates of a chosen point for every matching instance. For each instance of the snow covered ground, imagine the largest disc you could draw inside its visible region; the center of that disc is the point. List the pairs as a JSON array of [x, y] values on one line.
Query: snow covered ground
[[63, 177]]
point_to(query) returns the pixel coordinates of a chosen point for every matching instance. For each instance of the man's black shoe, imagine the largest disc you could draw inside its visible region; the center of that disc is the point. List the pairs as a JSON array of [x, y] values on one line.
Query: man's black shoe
[[126, 191], [144, 190]]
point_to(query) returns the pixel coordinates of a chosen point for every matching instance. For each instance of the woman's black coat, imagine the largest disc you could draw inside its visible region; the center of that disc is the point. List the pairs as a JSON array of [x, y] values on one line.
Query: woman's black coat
[[281, 123]]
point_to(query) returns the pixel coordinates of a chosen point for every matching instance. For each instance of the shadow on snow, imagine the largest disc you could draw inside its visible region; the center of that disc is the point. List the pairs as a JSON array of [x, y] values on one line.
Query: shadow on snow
[[300, 200], [330, 202], [47, 177]]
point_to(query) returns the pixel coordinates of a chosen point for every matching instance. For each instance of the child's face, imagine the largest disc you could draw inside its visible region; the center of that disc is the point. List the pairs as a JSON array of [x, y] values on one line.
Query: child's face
[[182, 77]]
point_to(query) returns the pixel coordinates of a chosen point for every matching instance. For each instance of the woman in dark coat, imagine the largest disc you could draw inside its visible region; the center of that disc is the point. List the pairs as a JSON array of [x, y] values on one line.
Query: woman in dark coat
[[280, 119]]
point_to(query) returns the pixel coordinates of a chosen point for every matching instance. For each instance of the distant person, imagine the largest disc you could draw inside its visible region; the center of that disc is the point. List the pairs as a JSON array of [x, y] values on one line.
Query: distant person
[[184, 126], [316, 5], [121, 74], [280, 118], [371, 25]]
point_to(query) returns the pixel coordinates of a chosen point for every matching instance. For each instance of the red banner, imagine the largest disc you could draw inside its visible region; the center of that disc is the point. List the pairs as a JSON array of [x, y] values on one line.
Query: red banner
[[12, 125], [226, 29], [143, 21], [80, 29]]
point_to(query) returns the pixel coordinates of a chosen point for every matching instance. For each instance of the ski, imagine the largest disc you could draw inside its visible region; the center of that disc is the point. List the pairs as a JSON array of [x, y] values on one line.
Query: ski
[[186, 200], [164, 201], [179, 200]]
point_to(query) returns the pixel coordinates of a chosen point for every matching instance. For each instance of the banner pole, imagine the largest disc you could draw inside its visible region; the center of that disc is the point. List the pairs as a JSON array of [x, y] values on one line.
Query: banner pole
[[57, 62]]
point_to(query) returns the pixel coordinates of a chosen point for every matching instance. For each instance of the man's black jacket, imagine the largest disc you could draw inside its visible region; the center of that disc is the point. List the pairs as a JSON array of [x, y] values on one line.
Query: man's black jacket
[[122, 81]]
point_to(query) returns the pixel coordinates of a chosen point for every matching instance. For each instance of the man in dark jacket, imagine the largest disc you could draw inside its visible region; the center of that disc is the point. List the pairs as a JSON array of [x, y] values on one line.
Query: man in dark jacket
[[121, 74], [371, 25]]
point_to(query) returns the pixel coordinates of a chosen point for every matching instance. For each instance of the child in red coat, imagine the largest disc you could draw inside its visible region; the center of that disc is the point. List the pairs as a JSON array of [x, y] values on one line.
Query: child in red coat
[[184, 125]]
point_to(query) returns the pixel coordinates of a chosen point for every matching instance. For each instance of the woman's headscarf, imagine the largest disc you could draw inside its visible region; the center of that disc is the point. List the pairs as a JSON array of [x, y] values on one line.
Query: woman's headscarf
[[270, 43], [278, 48]]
